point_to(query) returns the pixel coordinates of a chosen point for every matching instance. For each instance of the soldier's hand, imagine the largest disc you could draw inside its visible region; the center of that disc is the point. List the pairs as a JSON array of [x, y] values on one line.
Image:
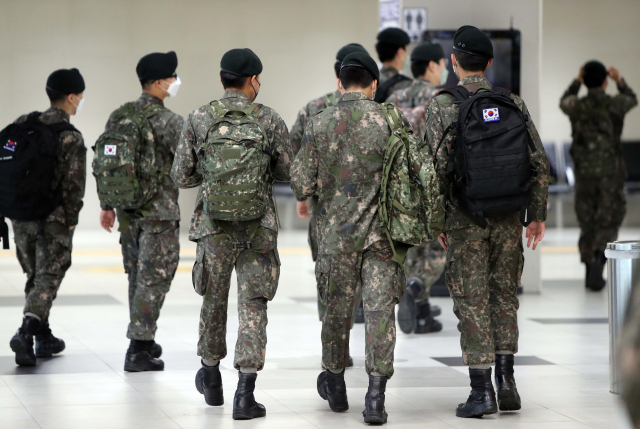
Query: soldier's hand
[[442, 238], [107, 219], [302, 207], [614, 74], [580, 73], [535, 232]]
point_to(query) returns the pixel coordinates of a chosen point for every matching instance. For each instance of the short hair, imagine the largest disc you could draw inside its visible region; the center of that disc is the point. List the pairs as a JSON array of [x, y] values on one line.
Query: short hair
[[336, 67], [470, 62], [419, 68], [355, 76], [146, 83], [387, 51], [230, 80], [55, 96]]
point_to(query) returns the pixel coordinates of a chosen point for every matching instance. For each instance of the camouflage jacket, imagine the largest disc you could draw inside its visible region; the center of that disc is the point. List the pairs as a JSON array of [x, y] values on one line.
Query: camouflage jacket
[[341, 161], [166, 130], [441, 112], [185, 165], [70, 175], [617, 107], [413, 102], [387, 72]]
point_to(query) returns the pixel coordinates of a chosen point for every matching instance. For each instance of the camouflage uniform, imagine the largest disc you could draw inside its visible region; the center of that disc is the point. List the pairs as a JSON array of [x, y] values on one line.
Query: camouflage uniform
[[150, 243], [341, 161], [424, 262], [630, 357], [600, 172], [257, 268], [387, 72], [44, 247], [484, 266]]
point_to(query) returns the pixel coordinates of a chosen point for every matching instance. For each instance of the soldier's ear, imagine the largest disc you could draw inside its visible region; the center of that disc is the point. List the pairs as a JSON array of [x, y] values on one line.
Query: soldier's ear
[[490, 62]]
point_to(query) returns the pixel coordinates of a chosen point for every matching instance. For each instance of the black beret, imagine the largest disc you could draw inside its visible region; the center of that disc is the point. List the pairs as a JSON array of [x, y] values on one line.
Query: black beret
[[349, 49], [470, 40], [360, 59], [427, 52], [394, 36], [157, 66], [594, 74], [241, 62], [66, 81]]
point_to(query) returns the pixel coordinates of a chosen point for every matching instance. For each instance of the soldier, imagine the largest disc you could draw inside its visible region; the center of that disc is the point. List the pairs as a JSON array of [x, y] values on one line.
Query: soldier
[[306, 113], [392, 52], [149, 236], [596, 121], [44, 246], [250, 246], [424, 263], [341, 161], [484, 265]]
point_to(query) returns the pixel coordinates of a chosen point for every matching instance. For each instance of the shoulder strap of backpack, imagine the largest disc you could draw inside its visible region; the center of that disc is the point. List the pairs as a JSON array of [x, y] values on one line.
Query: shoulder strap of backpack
[[62, 126], [383, 91], [502, 91], [391, 115], [330, 99], [152, 110], [33, 116], [459, 92]]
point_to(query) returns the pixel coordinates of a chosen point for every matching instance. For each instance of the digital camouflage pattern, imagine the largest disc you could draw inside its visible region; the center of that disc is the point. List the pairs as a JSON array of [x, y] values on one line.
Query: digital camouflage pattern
[[341, 161], [387, 72], [44, 247], [149, 239], [629, 359], [339, 279], [483, 266], [312, 108], [425, 262], [413, 101], [186, 169], [257, 267], [150, 251], [44, 252], [258, 270], [596, 121]]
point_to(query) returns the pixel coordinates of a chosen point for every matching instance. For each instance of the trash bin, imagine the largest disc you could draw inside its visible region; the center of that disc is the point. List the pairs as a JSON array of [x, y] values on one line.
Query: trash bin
[[623, 267]]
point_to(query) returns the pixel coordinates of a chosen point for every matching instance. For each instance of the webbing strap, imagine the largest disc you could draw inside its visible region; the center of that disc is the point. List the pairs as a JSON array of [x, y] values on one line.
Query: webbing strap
[[399, 206], [125, 196], [241, 187], [116, 179], [234, 207], [227, 174], [225, 226], [232, 198], [519, 172], [115, 187]]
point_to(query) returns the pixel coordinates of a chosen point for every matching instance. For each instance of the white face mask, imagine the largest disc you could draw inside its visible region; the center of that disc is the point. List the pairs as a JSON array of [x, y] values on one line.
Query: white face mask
[[79, 106], [173, 87], [444, 76]]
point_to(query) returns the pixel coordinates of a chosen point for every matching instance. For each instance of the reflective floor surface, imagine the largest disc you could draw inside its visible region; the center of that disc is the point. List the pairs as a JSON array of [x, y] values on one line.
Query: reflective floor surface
[[562, 368]]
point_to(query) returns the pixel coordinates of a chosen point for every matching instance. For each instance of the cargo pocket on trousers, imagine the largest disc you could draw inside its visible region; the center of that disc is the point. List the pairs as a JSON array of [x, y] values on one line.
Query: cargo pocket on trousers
[[453, 273], [271, 286], [323, 267], [199, 285]]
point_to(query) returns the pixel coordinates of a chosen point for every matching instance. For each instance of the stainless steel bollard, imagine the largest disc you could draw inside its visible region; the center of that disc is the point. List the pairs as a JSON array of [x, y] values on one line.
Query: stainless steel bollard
[[623, 267]]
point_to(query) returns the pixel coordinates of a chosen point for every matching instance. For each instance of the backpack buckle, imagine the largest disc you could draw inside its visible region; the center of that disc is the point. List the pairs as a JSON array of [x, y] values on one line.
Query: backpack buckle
[[241, 244]]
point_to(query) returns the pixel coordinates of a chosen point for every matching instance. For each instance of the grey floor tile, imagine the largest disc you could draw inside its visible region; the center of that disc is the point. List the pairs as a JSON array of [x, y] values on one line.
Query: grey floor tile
[[63, 300], [519, 360]]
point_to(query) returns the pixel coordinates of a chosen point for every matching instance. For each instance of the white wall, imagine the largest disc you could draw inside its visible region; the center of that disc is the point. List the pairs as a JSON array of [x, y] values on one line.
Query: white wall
[[576, 31], [296, 40]]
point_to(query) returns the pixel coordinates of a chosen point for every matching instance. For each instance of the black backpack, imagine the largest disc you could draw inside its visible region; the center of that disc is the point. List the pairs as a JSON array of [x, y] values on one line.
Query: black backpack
[[489, 163], [384, 90], [28, 159]]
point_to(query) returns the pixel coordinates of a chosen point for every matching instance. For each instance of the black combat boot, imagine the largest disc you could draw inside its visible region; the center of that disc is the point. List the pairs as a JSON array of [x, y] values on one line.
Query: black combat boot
[[245, 406], [482, 399], [508, 398], [209, 383], [46, 344], [139, 359], [155, 350], [360, 313], [407, 310], [374, 411], [425, 322], [332, 388], [595, 280], [22, 342]]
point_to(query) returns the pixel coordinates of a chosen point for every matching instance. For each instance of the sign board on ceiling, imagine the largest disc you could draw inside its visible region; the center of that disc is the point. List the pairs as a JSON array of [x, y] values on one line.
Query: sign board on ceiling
[[389, 14]]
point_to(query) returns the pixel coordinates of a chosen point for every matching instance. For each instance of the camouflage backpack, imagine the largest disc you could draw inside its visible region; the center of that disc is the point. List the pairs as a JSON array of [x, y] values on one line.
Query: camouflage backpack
[[235, 161], [330, 99], [400, 206], [593, 150], [125, 159]]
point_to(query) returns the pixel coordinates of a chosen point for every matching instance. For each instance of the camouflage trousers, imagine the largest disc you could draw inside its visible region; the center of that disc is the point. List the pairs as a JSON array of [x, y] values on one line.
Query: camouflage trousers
[[600, 206], [44, 252], [630, 357], [482, 272], [151, 251], [382, 280], [425, 262], [258, 270]]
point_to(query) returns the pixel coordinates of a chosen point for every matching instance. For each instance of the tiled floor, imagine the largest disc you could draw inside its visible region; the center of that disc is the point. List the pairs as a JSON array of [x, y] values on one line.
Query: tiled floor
[[562, 371]]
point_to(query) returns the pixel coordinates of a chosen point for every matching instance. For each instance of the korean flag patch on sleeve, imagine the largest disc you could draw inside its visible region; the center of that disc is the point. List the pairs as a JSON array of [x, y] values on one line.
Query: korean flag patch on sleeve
[[491, 115], [110, 149]]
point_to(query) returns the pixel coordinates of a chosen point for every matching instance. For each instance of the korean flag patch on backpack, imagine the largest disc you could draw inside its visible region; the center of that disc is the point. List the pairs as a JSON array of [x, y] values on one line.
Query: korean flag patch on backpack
[[491, 115]]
